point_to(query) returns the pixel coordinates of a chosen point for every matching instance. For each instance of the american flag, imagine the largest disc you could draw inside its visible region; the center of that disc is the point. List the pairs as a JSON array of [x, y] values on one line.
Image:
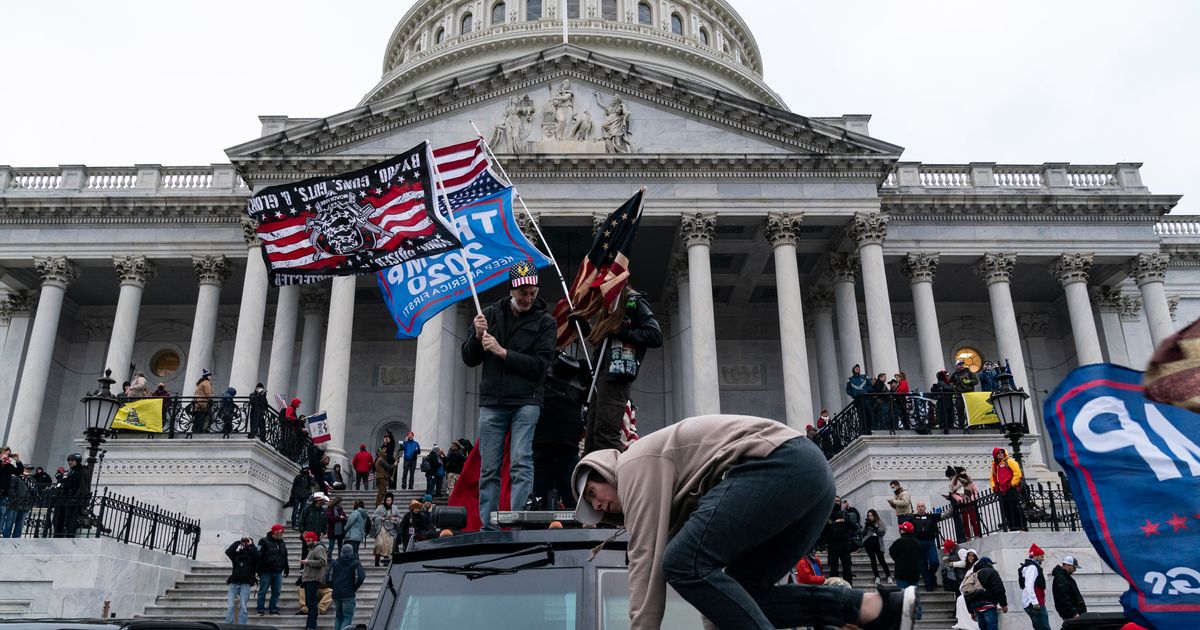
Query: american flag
[[629, 433], [604, 271], [466, 173]]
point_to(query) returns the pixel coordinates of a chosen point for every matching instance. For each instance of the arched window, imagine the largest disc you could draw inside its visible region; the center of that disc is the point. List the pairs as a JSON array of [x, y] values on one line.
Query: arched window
[[573, 9], [533, 10], [645, 13], [608, 9], [468, 21], [676, 24], [440, 36], [498, 13], [703, 36], [970, 356]]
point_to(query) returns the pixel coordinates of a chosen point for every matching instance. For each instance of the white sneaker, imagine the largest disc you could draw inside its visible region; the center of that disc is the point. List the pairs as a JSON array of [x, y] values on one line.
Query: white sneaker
[[877, 581], [911, 611]]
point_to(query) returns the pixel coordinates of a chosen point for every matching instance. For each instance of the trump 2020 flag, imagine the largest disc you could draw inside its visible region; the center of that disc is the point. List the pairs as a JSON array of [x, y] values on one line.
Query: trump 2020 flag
[[420, 289], [1134, 469], [140, 415], [318, 428], [351, 224]]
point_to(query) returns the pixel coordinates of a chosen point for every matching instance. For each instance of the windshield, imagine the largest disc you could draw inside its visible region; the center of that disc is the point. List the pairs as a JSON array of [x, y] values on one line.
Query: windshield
[[543, 599], [614, 607]]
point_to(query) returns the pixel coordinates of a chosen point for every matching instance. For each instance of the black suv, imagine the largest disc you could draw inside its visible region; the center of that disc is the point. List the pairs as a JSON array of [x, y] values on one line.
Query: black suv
[[528, 579]]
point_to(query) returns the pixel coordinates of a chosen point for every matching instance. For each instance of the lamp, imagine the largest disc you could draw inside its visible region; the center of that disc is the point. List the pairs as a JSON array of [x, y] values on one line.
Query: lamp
[[1009, 404], [100, 408]]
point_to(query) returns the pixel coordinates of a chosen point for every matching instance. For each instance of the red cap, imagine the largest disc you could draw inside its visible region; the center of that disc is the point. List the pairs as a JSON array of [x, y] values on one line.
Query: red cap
[[1035, 550], [947, 545], [311, 536], [809, 428], [276, 528], [906, 527]]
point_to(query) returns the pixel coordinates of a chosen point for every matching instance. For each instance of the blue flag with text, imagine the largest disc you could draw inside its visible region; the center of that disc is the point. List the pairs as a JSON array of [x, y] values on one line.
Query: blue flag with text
[[1134, 469], [416, 291]]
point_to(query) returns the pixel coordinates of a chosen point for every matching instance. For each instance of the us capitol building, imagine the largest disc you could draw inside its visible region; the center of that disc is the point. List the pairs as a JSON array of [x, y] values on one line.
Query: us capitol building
[[779, 250]]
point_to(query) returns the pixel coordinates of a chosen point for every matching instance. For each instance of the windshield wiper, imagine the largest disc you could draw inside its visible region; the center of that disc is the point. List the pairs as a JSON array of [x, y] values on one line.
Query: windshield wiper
[[476, 570]]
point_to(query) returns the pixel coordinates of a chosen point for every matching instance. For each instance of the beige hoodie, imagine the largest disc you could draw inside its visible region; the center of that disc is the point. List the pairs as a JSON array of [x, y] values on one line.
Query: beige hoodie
[[660, 481]]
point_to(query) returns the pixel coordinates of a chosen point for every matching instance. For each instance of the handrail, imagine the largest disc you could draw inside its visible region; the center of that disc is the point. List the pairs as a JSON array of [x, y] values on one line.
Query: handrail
[[920, 414], [1033, 506]]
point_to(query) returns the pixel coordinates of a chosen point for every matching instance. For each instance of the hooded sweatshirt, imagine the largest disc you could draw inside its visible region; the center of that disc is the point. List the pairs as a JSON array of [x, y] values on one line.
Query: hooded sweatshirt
[[660, 481], [1006, 473]]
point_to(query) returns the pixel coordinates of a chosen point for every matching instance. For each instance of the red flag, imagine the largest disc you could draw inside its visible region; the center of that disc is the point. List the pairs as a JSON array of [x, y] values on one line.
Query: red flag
[[466, 489]]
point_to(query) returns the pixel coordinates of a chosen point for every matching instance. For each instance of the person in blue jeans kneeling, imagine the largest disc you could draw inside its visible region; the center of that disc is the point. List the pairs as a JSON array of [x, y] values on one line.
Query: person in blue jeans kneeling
[[722, 507]]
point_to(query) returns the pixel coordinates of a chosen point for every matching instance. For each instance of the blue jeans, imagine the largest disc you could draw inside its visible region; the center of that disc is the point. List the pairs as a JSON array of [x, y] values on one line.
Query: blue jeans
[[3, 508], [929, 563], [1038, 616], [273, 581], [242, 591], [903, 584], [297, 510], [988, 619], [494, 423], [343, 612], [729, 566]]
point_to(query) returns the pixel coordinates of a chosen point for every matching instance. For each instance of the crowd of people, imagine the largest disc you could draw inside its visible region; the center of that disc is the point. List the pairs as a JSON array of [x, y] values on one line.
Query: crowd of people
[[60, 500]]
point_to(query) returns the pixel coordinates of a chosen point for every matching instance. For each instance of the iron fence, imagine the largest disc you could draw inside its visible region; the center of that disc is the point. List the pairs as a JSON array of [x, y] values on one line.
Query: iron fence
[[922, 414], [1033, 506], [186, 416], [54, 514]]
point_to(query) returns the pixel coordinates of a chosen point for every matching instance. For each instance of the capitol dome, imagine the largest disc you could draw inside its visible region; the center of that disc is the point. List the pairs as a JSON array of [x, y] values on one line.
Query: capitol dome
[[704, 41]]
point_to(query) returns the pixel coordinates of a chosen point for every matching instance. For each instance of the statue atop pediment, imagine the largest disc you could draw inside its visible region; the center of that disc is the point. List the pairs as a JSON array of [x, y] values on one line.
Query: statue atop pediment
[[615, 129]]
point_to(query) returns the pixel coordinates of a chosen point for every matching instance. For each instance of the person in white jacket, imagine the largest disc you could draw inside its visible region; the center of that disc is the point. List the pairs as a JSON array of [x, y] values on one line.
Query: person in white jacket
[[962, 615]]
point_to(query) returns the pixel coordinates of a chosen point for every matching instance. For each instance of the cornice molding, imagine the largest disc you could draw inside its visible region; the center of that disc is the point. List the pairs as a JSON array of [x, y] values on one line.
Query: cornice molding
[[1023, 205]]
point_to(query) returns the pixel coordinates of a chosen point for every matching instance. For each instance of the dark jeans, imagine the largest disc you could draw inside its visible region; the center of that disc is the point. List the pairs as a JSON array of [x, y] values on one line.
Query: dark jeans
[[605, 416], [839, 562], [312, 600], [362, 480], [729, 566], [875, 553], [929, 563], [552, 468], [408, 474], [1011, 517], [433, 484]]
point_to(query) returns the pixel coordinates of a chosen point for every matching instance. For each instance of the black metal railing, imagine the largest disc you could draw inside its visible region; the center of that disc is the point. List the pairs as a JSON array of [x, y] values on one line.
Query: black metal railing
[[1033, 506], [185, 416], [869, 414], [52, 514]]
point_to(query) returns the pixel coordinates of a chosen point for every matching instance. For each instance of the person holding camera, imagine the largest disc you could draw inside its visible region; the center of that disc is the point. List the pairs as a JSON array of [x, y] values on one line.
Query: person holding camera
[[244, 556]]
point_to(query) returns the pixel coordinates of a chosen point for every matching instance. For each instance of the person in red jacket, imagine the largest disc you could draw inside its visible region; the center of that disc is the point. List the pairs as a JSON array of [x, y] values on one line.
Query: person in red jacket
[[362, 463], [808, 570], [291, 413]]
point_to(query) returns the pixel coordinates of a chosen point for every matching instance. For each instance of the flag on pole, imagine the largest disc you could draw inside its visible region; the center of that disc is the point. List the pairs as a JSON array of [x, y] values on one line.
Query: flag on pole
[[420, 289], [979, 409], [318, 428], [604, 271], [466, 173], [140, 415], [354, 223]]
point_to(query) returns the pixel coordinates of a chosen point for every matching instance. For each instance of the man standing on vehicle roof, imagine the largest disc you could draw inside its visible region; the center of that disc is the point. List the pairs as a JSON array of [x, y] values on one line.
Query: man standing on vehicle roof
[[701, 501], [514, 340]]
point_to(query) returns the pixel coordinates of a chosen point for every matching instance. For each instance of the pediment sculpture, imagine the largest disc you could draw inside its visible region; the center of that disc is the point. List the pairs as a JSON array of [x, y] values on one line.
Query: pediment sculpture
[[568, 126]]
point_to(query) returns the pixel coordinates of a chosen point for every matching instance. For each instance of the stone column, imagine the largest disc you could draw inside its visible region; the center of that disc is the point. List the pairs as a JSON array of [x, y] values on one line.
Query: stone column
[[868, 231], [335, 374], [821, 299], [432, 403], [18, 307], [57, 273], [313, 304], [211, 273], [683, 288], [782, 233], [1072, 271], [252, 313], [134, 272], [698, 231], [1108, 302], [1131, 315], [1149, 271], [842, 268], [283, 340], [920, 269]]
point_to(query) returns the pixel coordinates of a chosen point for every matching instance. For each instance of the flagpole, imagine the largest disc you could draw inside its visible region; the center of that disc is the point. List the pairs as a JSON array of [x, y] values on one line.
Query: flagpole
[[446, 200], [564, 17], [562, 281]]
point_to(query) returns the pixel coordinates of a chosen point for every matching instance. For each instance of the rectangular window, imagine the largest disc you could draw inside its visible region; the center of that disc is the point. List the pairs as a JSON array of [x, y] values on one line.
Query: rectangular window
[[573, 9], [608, 9], [542, 599], [533, 10], [614, 605]]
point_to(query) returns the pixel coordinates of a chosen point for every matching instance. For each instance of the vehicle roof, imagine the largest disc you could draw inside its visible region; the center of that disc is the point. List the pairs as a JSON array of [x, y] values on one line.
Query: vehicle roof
[[513, 540]]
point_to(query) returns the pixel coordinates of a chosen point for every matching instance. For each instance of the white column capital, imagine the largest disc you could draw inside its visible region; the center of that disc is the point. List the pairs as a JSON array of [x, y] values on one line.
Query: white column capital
[[821, 297], [995, 267], [1072, 267], [783, 228], [134, 270], [920, 267], [214, 270], [1149, 268], [250, 232], [313, 300], [868, 228], [55, 271], [843, 267], [21, 304], [698, 229], [1131, 308], [1107, 299]]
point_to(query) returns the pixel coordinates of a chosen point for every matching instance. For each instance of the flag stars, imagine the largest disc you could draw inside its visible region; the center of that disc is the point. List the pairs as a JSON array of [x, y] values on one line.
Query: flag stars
[[1177, 522], [1150, 529]]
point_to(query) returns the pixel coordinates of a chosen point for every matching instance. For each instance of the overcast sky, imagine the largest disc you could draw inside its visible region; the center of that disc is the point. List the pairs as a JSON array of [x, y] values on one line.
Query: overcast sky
[[1088, 82]]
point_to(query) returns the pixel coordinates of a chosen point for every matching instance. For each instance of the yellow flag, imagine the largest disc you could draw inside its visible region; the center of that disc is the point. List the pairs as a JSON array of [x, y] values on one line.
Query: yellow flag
[[979, 410], [140, 415]]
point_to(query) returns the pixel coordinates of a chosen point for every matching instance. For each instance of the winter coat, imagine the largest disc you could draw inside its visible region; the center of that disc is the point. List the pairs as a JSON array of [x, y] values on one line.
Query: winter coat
[[389, 448], [518, 379], [901, 502], [387, 519], [924, 526], [906, 554], [411, 449], [1068, 601], [419, 523], [872, 529], [455, 460], [684, 460], [639, 328], [383, 470], [356, 524], [303, 486], [272, 555], [318, 563], [12, 469], [989, 379], [203, 393], [1034, 589], [22, 493], [312, 519], [993, 587], [964, 380], [837, 531], [245, 563], [363, 462], [138, 388], [346, 574], [857, 385], [808, 571], [997, 483], [561, 421], [334, 516]]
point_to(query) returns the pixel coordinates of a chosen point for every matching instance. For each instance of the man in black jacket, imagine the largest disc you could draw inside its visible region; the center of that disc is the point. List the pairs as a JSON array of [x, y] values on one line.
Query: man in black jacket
[[303, 486], [926, 531], [1068, 601], [556, 440], [272, 568], [514, 341], [244, 556], [984, 603], [906, 556], [837, 535]]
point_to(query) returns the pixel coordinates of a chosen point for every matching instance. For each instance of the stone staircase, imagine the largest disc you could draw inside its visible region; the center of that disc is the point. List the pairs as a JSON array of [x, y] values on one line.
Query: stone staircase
[[937, 606]]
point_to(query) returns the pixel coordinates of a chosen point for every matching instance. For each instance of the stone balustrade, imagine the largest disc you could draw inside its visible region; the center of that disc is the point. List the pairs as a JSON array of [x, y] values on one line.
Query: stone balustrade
[[217, 178], [988, 177], [1176, 227]]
